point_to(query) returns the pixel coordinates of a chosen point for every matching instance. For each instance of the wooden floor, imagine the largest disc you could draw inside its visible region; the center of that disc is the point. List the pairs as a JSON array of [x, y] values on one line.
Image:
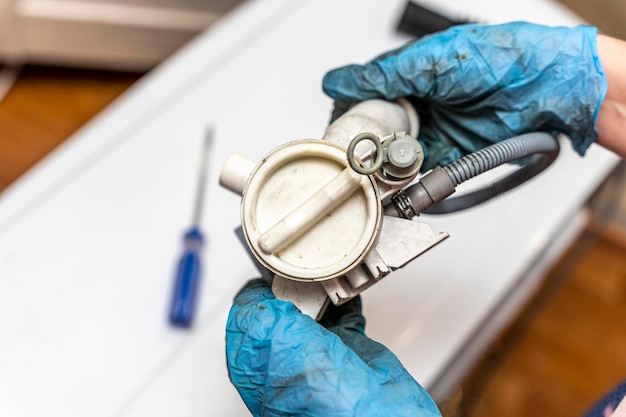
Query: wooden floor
[[609, 16], [46, 106], [563, 353], [567, 349]]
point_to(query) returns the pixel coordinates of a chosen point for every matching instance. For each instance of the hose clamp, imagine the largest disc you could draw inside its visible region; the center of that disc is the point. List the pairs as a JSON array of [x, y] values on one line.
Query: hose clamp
[[404, 205]]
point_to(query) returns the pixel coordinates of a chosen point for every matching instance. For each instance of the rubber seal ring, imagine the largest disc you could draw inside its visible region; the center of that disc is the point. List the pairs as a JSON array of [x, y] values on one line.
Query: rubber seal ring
[[378, 163]]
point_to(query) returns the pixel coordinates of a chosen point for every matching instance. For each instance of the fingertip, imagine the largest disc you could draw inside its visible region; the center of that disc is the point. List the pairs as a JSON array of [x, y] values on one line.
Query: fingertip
[[342, 84], [256, 303], [255, 290], [347, 317]]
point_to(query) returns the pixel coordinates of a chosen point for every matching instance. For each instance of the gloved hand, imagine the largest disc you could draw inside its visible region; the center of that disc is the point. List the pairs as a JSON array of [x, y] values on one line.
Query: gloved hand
[[474, 85], [283, 363]]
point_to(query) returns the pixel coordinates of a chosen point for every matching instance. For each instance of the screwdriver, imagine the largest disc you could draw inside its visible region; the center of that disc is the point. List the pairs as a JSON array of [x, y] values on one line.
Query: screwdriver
[[189, 268]]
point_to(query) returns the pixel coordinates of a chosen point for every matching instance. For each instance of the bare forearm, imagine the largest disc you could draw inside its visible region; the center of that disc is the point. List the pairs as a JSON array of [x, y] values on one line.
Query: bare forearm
[[611, 122]]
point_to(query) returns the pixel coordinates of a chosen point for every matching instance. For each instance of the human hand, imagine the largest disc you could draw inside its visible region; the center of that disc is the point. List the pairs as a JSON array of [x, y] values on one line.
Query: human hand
[[474, 85], [283, 363]]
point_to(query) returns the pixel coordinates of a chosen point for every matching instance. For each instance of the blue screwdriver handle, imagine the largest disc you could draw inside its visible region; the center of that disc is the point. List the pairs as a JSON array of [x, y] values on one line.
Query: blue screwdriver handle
[[188, 276]]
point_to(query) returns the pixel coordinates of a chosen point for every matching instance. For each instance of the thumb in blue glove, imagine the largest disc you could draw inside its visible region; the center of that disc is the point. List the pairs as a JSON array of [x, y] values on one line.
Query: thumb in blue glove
[[282, 362], [474, 85]]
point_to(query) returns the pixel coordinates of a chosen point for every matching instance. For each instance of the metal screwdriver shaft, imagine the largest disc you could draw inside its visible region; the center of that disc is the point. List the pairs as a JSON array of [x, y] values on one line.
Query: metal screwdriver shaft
[[189, 268]]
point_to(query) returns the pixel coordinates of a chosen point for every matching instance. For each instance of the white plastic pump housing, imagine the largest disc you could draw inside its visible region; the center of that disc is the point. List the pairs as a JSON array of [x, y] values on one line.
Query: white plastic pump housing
[[316, 224], [306, 215]]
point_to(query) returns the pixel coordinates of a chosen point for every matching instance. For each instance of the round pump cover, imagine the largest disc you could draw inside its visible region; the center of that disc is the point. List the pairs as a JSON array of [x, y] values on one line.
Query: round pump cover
[[306, 215]]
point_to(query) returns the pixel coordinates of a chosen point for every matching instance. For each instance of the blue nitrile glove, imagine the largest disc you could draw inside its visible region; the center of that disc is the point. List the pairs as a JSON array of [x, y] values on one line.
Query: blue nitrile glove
[[474, 85], [283, 363]]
